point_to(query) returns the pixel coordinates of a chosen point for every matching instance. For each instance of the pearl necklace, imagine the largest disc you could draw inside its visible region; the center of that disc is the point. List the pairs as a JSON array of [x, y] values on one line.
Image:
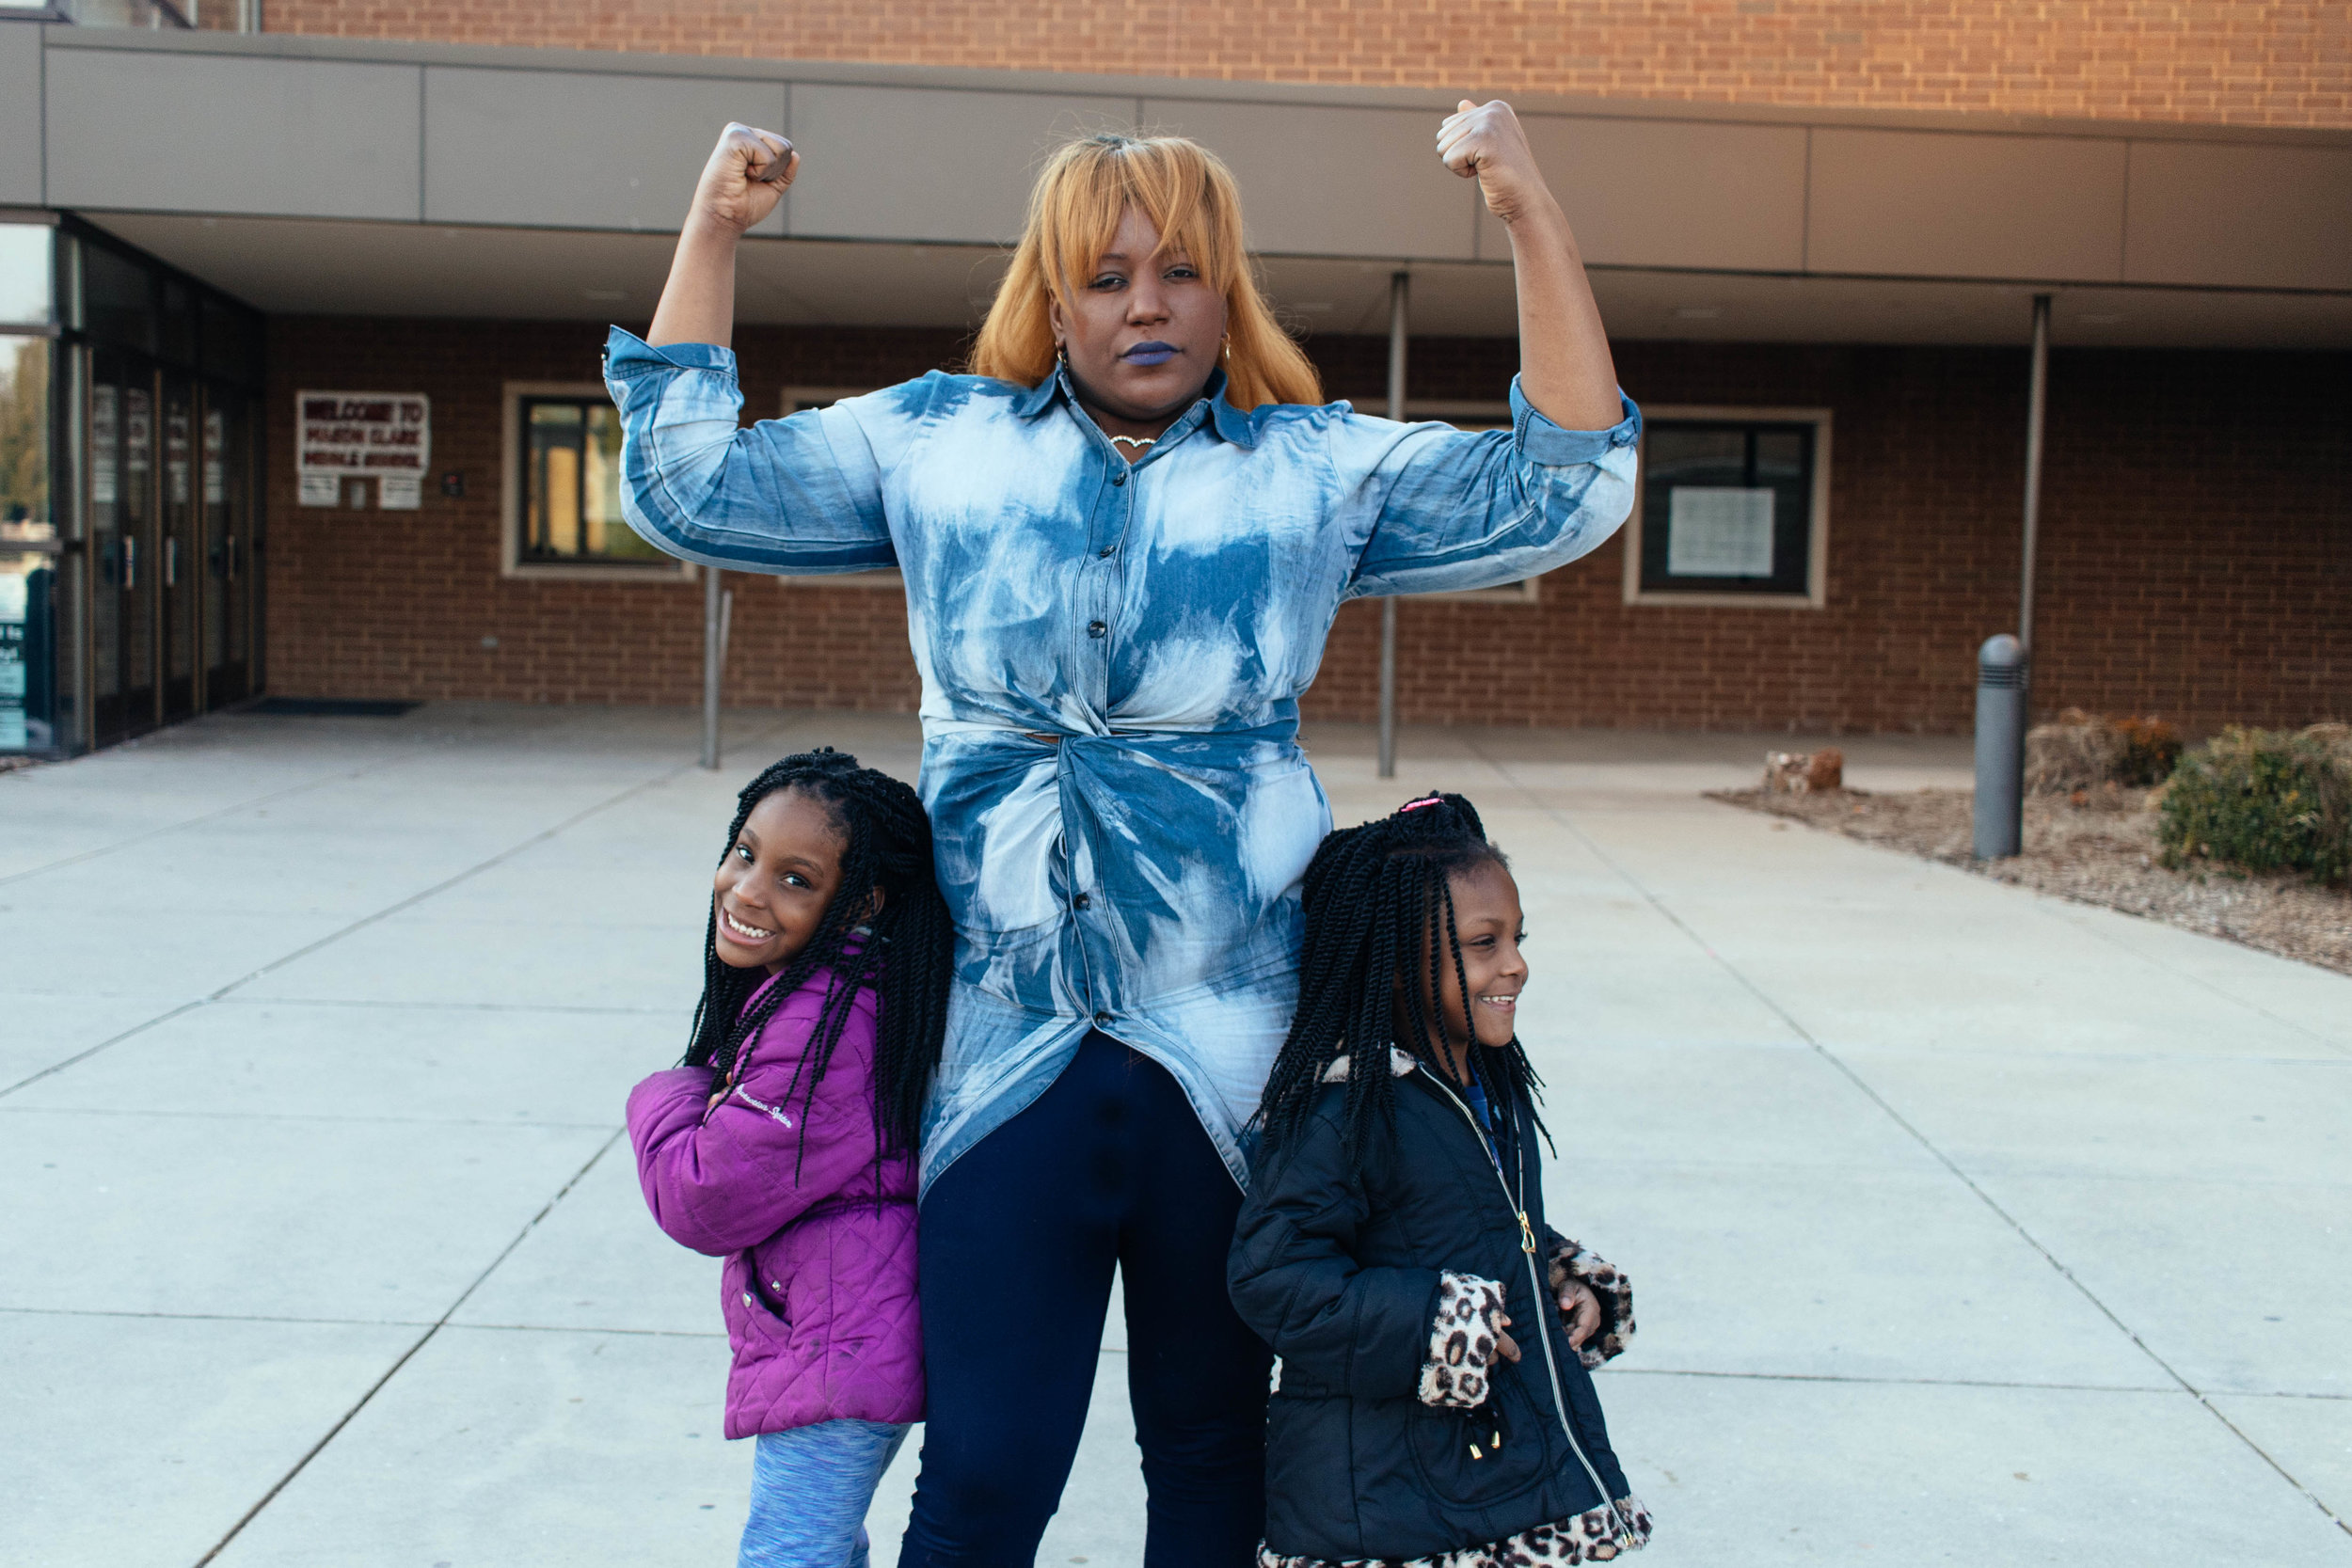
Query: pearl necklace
[[1139, 442]]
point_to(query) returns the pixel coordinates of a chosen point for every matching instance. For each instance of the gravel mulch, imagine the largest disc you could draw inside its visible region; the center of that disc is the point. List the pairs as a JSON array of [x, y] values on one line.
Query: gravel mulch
[[2102, 850]]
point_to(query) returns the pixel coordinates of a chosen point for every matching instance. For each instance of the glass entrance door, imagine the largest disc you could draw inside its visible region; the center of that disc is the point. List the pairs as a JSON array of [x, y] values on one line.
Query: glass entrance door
[[122, 543], [227, 510], [181, 550]]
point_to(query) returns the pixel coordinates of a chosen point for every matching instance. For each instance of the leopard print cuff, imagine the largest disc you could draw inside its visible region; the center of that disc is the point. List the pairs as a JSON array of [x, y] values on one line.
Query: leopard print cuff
[[1610, 1286], [1602, 1535], [1461, 1341]]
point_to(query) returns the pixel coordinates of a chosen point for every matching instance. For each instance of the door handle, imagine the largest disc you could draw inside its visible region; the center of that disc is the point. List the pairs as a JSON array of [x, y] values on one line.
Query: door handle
[[171, 564], [130, 562]]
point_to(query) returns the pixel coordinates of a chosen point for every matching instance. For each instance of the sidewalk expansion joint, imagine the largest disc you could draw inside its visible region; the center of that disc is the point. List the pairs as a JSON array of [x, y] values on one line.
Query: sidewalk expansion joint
[[406, 1357], [1886, 1107]]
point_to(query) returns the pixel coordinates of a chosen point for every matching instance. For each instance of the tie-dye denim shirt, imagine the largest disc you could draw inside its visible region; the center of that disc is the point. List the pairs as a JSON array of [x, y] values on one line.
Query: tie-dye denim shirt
[[1111, 658]]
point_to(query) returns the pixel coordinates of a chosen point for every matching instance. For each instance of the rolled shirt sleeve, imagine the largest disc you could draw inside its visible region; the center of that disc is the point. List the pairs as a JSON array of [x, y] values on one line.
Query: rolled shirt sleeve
[[1446, 510], [795, 495]]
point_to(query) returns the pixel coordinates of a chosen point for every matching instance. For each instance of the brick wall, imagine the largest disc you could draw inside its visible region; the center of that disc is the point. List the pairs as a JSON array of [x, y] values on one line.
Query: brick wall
[[2268, 64], [397, 604], [2198, 554]]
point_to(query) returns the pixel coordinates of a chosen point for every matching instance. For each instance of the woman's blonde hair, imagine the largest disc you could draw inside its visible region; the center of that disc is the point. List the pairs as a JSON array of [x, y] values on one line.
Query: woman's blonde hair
[[1190, 197]]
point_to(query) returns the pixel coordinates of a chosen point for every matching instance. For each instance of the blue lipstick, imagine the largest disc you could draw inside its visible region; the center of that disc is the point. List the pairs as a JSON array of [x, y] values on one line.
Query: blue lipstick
[[1151, 354]]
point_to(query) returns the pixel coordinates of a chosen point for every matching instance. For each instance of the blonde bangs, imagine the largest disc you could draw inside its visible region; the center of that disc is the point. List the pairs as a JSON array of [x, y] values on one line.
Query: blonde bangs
[[1074, 211]]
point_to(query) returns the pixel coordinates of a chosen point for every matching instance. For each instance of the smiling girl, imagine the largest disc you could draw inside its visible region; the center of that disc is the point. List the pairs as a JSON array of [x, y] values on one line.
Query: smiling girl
[[786, 1142], [1390, 1241]]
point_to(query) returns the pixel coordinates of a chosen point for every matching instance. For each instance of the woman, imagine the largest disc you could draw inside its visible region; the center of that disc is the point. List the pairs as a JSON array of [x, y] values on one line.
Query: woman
[[1123, 536]]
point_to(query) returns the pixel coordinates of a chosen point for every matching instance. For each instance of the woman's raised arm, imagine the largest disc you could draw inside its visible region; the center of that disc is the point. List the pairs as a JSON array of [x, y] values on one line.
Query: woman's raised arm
[[1564, 367], [799, 495], [745, 177]]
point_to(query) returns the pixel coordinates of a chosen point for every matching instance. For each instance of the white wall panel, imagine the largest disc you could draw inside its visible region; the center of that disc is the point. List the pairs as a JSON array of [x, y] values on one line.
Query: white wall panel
[[1334, 181], [1663, 193], [2243, 217], [188, 133], [20, 114], [554, 149], [927, 163], [1934, 204]]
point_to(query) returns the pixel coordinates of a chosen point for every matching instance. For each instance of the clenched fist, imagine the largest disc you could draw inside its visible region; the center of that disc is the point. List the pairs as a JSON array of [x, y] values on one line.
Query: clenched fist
[[744, 179], [1486, 142]]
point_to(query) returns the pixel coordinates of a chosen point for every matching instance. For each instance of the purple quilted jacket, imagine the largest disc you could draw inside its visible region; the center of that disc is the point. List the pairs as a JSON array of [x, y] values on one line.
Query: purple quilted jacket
[[819, 1280]]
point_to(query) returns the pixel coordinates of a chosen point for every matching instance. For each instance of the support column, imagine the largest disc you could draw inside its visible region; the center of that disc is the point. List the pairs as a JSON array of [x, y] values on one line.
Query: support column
[[714, 662], [1400, 288], [2035, 399], [2005, 664]]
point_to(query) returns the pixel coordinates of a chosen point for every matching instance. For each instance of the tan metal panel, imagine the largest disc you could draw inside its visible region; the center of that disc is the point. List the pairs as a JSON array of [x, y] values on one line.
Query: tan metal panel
[[1651, 193], [1334, 181], [927, 163], [557, 148], [20, 116], [2240, 216], [1939, 205], [187, 133]]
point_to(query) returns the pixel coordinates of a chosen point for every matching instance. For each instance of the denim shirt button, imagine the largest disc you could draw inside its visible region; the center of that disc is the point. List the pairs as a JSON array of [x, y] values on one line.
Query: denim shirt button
[[1119, 479], [1101, 1018], [1096, 629]]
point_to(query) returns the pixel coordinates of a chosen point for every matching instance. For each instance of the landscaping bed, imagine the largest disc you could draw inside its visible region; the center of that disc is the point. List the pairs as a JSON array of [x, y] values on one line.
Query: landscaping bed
[[2102, 850]]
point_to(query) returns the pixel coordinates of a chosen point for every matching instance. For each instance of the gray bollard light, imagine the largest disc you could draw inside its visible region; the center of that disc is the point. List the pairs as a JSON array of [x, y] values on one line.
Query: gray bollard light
[[2000, 747]]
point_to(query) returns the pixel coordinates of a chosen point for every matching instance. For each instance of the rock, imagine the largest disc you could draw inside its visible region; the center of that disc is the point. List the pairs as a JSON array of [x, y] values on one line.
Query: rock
[[1804, 772]]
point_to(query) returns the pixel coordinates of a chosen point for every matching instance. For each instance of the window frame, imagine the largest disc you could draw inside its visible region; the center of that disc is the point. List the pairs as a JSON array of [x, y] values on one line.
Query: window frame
[[510, 561], [1816, 595]]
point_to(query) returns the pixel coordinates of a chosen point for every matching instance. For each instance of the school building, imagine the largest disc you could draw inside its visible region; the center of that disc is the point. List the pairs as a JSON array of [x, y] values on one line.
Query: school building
[[301, 304]]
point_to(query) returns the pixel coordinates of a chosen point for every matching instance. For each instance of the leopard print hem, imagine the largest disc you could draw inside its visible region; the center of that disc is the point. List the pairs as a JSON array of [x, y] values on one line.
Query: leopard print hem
[[1609, 1285], [1462, 1342], [1602, 1535]]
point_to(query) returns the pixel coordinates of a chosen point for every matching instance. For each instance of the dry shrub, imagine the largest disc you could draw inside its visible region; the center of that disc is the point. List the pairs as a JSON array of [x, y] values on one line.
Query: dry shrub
[[2076, 750], [2152, 749], [2264, 801], [2079, 751]]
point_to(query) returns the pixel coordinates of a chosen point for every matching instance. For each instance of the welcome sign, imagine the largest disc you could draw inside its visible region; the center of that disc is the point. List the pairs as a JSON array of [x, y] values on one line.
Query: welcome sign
[[387, 437]]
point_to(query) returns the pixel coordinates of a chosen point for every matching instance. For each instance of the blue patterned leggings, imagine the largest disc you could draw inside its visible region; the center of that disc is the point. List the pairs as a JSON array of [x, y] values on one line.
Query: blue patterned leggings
[[810, 1488]]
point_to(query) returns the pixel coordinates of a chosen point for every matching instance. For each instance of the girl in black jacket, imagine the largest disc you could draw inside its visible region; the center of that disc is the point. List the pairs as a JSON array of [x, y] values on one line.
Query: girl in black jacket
[[1393, 1235]]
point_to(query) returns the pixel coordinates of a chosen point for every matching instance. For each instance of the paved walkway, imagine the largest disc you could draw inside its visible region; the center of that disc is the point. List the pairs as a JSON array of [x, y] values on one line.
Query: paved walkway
[[1968, 1227]]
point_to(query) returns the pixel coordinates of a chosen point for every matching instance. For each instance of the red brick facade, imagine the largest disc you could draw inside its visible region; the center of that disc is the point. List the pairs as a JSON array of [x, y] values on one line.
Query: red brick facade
[[2240, 64], [2196, 557]]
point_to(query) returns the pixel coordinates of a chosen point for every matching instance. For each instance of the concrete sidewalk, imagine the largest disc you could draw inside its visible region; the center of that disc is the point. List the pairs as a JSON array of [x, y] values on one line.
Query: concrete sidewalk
[[1967, 1225]]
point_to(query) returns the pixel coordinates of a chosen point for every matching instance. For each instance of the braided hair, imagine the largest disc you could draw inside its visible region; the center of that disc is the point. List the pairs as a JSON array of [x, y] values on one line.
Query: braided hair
[[1378, 897], [903, 952]]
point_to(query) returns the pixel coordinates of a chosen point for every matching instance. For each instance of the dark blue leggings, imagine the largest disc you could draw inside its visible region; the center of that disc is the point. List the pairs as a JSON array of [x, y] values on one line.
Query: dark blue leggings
[[1019, 1236]]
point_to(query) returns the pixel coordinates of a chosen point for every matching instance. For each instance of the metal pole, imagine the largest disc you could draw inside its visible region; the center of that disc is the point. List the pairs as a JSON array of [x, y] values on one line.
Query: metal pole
[[714, 660], [1400, 289], [2000, 748], [2036, 400], [2005, 663]]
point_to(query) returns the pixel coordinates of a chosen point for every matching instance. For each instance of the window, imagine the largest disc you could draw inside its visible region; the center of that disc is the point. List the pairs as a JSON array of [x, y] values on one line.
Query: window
[[1731, 509], [26, 271], [561, 488]]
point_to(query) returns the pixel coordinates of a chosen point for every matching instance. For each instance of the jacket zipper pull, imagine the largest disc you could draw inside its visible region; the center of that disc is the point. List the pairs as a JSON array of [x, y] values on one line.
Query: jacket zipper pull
[[1527, 1235]]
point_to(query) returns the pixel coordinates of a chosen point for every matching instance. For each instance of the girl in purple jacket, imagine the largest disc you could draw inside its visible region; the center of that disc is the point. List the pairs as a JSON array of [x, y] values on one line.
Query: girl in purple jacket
[[786, 1142]]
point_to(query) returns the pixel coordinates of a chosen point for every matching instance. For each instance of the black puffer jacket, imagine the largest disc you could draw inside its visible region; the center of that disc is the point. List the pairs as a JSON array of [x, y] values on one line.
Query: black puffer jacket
[[1381, 1437]]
